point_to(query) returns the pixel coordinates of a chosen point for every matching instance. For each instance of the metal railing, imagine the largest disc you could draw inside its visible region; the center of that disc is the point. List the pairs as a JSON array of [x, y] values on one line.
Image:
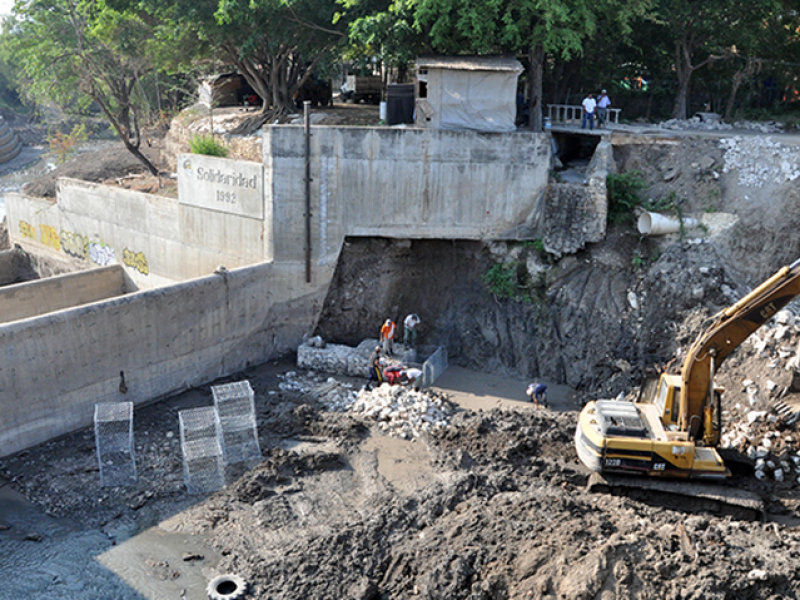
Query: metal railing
[[570, 113]]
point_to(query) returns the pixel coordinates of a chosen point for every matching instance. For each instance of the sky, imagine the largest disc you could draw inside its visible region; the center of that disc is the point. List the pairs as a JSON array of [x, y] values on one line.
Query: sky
[[6, 6]]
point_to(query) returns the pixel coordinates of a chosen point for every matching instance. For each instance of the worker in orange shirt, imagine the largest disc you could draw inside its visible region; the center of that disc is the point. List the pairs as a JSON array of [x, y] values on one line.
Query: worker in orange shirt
[[387, 337]]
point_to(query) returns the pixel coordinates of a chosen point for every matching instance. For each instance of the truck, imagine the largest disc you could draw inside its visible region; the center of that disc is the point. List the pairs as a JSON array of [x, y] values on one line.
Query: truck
[[673, 429], [367, 88]]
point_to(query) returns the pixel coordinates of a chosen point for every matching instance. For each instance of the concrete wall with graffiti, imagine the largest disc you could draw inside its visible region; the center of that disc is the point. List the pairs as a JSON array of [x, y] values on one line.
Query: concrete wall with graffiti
[[54, 369], [157, 240], [42, 296]]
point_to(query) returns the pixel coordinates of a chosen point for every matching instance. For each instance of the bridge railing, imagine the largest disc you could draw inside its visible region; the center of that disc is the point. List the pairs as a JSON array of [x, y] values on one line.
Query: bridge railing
[[571, 113]]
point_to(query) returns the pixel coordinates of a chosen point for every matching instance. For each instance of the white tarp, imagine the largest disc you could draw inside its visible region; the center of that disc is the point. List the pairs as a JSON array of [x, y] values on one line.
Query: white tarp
[[479, 100]]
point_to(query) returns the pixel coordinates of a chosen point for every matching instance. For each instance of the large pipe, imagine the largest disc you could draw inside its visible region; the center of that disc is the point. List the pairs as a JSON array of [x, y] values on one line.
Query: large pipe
[[307, 123], [656, 224]]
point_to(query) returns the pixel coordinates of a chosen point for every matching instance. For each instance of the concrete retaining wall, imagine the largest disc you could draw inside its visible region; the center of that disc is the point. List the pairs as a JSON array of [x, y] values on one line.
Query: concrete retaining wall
[[53, 369], [400, 183], [36, 298], [157, 240]]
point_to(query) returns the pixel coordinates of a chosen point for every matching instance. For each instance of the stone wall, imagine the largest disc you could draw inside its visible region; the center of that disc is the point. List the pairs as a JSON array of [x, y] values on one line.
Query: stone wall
[[575, 214]]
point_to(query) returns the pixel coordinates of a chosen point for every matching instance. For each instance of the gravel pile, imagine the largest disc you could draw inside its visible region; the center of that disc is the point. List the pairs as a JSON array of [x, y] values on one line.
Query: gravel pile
[[761, 161]]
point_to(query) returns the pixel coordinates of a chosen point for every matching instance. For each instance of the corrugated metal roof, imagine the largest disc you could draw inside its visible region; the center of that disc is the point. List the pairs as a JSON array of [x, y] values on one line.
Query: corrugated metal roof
[[494, 62]]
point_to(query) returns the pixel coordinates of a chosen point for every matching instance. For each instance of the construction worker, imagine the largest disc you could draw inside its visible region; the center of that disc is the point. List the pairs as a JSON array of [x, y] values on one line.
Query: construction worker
[[410, 329], [538, 393], [387, 337], [375, 367]]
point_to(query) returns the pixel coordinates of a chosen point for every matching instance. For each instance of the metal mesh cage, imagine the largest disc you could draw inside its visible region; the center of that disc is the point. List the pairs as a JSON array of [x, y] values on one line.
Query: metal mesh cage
[[203, 470], [235, 405], [113, 435], [434, 366]]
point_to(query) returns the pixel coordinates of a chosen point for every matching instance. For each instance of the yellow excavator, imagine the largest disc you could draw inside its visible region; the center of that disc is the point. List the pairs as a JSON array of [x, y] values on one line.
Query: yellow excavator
[[673, 429]]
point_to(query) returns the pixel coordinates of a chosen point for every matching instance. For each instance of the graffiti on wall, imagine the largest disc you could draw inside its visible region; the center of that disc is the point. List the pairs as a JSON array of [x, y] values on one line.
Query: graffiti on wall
[[27, 230], [136, 260], [49, 237], [102, 255], [78, 246], [74, 244]]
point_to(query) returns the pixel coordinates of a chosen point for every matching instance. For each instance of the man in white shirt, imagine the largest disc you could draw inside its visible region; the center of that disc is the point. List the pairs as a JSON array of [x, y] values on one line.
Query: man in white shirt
[[603, 102], [410, 329], [589, 104]]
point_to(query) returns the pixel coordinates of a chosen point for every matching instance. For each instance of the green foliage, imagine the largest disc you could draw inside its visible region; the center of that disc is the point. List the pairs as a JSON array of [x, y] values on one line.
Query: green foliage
[[64, 145], [638, 261], [624, 195], [206, 144], [501, 280], [75, 53], [538, 245]]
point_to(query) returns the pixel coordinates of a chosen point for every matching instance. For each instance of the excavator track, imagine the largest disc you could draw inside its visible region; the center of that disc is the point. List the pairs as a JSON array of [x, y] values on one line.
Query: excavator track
[[682, 495]]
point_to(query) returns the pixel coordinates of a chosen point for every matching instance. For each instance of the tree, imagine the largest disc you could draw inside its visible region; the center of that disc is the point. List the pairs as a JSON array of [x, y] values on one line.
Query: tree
[[702, 32], [74, 50], [387, 35], [274, 44], [531, 29]]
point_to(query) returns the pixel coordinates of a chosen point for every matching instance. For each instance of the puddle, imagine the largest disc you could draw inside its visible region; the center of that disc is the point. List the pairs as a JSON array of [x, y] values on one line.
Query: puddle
[[159, 564], [52, 559]]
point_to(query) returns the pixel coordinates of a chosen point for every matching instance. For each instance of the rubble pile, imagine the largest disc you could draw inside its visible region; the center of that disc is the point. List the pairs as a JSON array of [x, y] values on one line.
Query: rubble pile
[[697, 123], [403, 412], [760, 160], [337, 396], [763, 427]]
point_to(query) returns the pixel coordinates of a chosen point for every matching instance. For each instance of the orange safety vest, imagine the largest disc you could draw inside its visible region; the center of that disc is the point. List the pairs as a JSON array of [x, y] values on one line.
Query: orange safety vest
[[387, 331]]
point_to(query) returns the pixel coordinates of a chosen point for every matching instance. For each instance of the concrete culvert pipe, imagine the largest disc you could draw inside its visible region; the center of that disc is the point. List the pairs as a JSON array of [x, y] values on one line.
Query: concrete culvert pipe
[[657, 224], [226, 587]]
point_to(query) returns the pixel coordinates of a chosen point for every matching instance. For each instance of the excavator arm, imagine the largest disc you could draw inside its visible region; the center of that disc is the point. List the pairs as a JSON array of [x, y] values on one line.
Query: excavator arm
[[727, 330]]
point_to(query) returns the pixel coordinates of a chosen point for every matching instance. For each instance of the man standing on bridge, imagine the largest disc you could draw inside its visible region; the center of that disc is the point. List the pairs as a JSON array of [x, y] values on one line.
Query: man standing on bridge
[[589, 104], [603, 102]]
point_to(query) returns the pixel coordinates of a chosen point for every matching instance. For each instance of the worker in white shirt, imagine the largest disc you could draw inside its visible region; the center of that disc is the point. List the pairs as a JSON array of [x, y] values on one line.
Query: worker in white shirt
[[603, 102], [589, 104], [410, 329]]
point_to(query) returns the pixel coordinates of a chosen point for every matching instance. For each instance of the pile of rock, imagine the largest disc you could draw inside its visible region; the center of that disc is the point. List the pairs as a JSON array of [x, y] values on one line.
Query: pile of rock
[[336, 395], [763, 427], [403, 412], [760, 161], [399, 411], [711, 122]]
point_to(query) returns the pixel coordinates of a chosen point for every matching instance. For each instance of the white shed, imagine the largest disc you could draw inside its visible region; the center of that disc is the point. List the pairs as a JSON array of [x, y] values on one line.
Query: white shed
[[467, 92]]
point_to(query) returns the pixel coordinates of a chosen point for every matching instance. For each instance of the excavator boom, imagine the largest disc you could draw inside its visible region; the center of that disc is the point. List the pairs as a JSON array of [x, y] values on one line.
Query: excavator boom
[[727, 330]]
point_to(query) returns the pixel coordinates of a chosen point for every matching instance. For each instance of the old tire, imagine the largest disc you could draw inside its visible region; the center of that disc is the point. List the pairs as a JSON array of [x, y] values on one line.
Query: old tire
[[226, 587]]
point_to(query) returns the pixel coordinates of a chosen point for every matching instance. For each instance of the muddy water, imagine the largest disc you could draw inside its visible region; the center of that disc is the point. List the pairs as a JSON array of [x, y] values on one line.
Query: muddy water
[[472, 390], [45, 558]]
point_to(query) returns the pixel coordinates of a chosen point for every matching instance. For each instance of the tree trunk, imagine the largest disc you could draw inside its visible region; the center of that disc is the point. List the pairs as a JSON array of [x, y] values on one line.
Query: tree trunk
[[536, 59], [125, 136], [732, 98], [683, 70]]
